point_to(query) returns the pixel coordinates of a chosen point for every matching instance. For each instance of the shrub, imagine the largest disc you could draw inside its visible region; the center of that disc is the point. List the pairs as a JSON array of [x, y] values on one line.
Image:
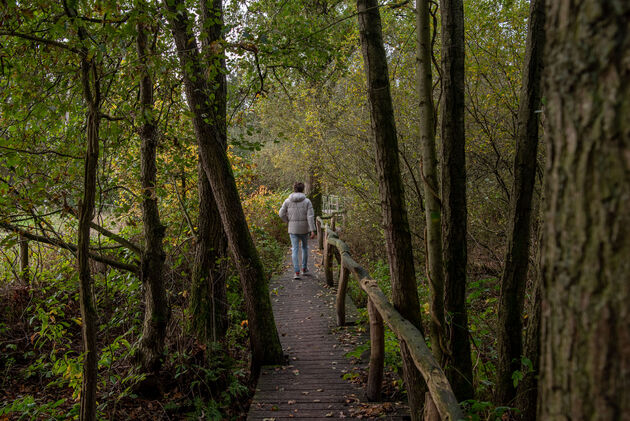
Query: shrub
[[261, 210]]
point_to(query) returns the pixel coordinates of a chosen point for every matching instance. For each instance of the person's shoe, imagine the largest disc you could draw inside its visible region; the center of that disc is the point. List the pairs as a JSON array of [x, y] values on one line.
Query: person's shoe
[[297, 275], [305, 272]]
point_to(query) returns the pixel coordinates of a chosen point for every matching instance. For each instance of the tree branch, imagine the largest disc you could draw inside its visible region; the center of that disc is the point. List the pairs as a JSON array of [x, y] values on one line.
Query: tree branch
[[71, 247], [184, 210], [53, 43], [40, 152], [111, 118], [117, 238]]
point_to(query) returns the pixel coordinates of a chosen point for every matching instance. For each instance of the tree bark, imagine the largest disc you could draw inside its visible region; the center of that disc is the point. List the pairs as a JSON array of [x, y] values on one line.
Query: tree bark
[[24, 271], [514, 278], [156, 310], [454, 213], [92, 96], [397, 234], [208, 301], [313, 190], [208, 112], [527, 390], [86, 214], [433, 211], [585, 357]]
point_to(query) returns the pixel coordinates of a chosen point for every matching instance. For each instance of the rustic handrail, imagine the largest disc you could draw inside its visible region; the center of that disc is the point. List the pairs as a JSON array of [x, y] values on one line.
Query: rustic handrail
[[319, 223], [379, 310]]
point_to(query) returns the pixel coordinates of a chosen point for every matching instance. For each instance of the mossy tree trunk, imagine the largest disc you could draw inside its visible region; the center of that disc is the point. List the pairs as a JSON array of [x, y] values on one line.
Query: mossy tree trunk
[[313, 190], [24, 269], [90, 84], [585, 355], [397, 234], [527, 390], [514, 277], [458, 363], [208, 301], [433, 211], [86, 214], [156, 310]]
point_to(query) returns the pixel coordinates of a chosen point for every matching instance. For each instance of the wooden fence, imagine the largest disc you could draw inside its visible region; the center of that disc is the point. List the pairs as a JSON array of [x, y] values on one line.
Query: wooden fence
[[381, 310]]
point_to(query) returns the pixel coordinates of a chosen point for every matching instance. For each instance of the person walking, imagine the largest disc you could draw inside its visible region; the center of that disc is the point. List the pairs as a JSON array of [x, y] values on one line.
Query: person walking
[[297, 210]]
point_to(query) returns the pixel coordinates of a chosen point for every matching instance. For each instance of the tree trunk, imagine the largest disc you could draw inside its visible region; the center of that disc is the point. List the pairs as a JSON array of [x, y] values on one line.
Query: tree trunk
[[156, 310], [86, 293], [527, 390], [457, 361], [585, 357], [208, 301], [433, 211], [313, 191], [24, 272], [92, 97], [208, 112], [514, 278], [397, 234]]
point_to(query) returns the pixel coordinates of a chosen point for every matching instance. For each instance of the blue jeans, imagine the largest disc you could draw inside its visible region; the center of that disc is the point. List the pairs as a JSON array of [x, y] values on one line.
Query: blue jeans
[[295, 242]]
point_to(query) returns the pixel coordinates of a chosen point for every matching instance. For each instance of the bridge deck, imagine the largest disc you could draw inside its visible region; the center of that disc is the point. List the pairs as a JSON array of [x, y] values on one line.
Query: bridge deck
[[312, 384]]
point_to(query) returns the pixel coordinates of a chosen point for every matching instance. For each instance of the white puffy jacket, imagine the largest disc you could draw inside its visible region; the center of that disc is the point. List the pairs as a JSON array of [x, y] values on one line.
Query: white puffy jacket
[[297, 210]]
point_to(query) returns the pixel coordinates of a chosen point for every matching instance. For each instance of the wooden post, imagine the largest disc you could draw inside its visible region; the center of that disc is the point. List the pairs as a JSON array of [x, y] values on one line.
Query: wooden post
[[337, 255], [333, 223], [24, 273], [381, 310], [320, 234], [328, 261], [344, 273], [377, 354], [436, 380]]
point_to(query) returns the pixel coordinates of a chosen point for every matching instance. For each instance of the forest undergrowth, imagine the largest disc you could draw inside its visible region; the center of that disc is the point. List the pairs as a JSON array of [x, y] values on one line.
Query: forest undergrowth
[[40, 340], [41, 358]]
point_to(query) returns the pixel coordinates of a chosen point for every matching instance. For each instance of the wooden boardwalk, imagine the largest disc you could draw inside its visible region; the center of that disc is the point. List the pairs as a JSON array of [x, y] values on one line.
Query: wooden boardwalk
[[312, 386]]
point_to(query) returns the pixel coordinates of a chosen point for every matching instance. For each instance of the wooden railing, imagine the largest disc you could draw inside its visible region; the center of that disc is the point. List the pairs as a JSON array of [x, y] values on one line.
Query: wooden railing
[[381, 310]]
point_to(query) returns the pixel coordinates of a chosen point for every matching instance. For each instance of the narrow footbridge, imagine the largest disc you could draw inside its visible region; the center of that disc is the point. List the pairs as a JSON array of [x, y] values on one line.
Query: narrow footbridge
[[310, 313]]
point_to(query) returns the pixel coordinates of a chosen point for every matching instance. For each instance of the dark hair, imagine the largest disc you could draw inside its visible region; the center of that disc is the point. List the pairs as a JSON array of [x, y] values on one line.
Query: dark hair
[[298, 187]]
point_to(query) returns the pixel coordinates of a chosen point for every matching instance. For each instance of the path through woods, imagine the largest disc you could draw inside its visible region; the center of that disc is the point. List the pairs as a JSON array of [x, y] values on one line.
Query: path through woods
[[311, 385]]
